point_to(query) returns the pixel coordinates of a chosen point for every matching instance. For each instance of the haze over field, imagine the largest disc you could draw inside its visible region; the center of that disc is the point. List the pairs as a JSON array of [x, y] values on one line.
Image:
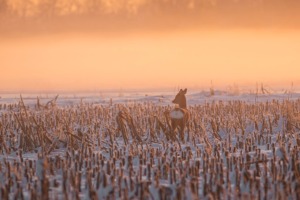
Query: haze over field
[[90, 45], [149, 99]]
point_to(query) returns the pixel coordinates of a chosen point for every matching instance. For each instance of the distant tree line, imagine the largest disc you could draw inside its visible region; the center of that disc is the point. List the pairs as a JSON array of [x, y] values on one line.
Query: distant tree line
[[57, 8], [106, 14]]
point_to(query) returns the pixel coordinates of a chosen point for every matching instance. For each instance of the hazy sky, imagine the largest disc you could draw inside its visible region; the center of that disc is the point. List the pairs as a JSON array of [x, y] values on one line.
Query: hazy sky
[[101, 44], [87, 61]]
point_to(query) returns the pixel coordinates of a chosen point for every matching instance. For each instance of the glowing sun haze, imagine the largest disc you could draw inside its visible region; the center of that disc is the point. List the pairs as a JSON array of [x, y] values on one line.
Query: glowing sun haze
[[84, 62], [97, 45], [167, 60]]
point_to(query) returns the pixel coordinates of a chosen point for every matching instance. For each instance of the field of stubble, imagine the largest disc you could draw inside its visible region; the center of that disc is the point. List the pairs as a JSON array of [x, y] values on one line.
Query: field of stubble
[[231, 149]]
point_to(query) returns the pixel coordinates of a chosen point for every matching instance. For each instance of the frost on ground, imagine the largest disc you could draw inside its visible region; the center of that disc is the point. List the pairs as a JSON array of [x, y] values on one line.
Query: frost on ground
[[236, 147]]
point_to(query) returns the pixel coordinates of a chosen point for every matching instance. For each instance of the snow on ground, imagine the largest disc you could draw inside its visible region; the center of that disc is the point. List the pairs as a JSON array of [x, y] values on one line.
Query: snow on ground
[[160, 98], [236, 146]]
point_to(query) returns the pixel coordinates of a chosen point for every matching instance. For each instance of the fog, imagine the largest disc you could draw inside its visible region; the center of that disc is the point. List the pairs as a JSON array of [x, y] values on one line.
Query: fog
[[96, 45]]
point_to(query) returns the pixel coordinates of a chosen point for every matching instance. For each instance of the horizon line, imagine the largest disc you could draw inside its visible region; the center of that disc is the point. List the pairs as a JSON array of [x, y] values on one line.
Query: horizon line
[[275, 88]]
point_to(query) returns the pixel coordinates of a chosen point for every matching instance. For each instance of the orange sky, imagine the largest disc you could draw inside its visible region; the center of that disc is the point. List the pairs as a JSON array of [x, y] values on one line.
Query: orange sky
[[134, 44], [189, 59]]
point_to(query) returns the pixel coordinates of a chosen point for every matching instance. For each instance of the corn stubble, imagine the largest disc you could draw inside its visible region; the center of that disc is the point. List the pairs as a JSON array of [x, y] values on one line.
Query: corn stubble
[[232, 149]]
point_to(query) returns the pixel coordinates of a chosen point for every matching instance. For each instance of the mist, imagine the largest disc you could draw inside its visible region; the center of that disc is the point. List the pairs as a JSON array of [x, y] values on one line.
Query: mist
[[97, 44], [47, 16]]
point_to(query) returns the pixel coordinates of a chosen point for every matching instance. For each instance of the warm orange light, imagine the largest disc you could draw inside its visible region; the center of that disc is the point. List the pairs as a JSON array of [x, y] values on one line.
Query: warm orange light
[[89, 62]]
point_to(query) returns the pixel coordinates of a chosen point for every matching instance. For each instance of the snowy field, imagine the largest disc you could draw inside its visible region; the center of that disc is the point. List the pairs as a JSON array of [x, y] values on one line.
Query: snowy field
[[159, 98], [120, 146]]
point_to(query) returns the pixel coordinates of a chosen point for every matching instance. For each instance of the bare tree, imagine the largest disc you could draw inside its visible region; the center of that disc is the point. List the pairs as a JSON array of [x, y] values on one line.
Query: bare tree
[[47, 8], [120, 9], [3, 7], [94, 7], [26, 8]]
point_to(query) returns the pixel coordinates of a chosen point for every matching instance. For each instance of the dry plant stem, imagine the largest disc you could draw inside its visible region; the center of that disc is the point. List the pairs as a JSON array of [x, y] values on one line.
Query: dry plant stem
[[234, 150]]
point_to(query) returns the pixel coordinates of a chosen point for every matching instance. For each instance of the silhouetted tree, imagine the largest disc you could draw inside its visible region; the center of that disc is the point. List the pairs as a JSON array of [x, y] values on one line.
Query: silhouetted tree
[[26, 8], [47, 8], [3, 7], [94, 7], [119, 9]]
